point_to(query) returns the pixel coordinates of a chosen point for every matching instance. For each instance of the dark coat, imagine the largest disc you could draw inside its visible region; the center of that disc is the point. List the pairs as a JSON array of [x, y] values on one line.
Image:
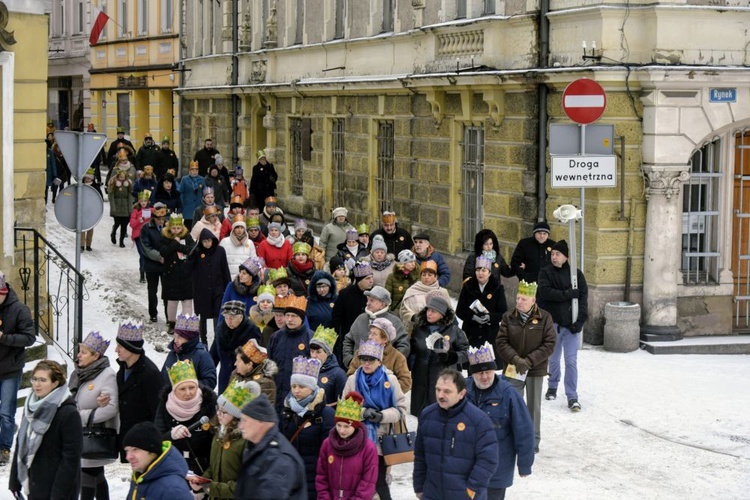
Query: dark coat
[[493, 299], [151, 244], [264, 374], [18, 334], [170, 198], [196, 449], [205, 158], [455, 449], [56, 469], [224, 345], [400, 240], [534, 255], [350, 303], [284, 346], [221, 190], [427, 364], [332, 379], [320, 309], [210, 273], [164, 480], [300, 280], [499, 267], [176, 281], [146, 155], [165, 159], [513, 426], [116, 144], [534, 340], [263, 182], [553, 296], [138, 395], [271, 469], [315, 426], [237, 291], [142, 184], [195, 351]]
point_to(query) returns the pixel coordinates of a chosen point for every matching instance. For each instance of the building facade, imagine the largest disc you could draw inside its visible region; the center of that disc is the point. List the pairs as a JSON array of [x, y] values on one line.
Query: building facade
[[133, 69], [441, 111]]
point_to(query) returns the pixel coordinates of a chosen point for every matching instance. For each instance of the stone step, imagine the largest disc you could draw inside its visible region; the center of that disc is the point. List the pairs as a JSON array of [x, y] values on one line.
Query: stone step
[[714, 344]]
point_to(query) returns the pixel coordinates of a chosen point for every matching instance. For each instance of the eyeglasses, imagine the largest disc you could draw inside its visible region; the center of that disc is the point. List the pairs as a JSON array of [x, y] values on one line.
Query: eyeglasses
[[39, 380], [366, 361], [220, 412]]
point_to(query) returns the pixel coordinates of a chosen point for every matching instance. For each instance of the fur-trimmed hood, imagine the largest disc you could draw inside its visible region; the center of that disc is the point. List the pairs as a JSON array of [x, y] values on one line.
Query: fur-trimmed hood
[[165, 232]]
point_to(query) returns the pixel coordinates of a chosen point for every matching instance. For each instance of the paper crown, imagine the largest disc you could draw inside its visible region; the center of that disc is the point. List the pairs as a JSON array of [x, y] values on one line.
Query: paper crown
[[210, 211], [89, 173], [388, 217], [350, 408], [301, 247], [261, 154], [253, 223], [176, 220], [254, 351], [372, 349], [237, 200], [309, 367], [428, 265], [300, 224], [190, 323], [237, 395], [275, 274], [482, 354], [148, 169], [324, 337], [362, 269], [270, 199], [351, 235], [527, 289], [483, 262], [144, 195], [160, 209], [239, 218], [281, 303], [208, 190], [182, 371], [363, 229], [122, 155], [193, 165], [96, 343], [165, 139], [130, 331], [298, 303], [120, 130], [253, 265], [266, 292]]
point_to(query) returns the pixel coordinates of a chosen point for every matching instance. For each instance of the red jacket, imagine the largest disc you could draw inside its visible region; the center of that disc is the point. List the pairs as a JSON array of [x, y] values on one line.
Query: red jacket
[[350, 473], [135, 224], [275, 257]]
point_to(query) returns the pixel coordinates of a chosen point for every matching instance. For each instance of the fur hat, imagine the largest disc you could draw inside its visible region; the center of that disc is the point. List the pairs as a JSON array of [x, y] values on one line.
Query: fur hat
[[338, 211]]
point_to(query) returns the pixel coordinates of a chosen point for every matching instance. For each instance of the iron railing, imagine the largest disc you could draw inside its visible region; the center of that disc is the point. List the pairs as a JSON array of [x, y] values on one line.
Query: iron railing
[[51, 287]]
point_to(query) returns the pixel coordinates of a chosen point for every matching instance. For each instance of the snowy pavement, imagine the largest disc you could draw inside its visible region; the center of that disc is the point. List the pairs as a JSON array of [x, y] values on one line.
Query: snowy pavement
[[653, 427]]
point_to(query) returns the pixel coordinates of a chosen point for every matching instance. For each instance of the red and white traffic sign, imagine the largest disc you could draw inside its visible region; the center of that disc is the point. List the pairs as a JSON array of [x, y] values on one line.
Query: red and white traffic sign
[[584, 101]]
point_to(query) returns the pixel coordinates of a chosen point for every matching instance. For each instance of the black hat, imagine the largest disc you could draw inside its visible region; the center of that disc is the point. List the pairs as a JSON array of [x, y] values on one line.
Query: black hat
[[562, 247], [541, 227], [260, 409], [144, 436], [480, 367], [134, 346], [422, 236]]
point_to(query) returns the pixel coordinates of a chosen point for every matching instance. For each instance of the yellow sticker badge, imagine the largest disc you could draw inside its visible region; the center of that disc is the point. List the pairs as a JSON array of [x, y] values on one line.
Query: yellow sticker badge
[[301, 347], [330, 459], [91, 387], [387, 385], [461, 426], [324, 380]]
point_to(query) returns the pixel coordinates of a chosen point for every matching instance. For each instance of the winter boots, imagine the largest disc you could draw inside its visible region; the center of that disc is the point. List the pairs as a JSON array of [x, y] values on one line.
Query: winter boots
[[170, 327], [551, 394]]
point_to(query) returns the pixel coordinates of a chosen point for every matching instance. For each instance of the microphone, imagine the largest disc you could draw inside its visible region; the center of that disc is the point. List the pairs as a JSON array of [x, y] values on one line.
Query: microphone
[[204, 420]]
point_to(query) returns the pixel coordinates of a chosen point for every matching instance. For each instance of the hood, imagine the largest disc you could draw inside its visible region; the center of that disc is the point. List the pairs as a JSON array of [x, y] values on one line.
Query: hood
[[11, 298], [313, 294], [169, 463], [421, 318], [188, 347], [207, 234], [480, 239]]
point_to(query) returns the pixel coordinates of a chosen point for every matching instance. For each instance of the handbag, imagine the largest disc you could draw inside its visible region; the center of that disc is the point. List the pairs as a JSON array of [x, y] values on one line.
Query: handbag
[[99, 442], [398, 448]]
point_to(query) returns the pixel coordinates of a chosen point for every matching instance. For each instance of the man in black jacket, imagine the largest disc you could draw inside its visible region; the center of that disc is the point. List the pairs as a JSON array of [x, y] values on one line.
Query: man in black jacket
[[165, 159], [350, 303], [532, 254], [396, 238], [153, 262], [555, 295], [16, 334], [205, 157], [146, 153]]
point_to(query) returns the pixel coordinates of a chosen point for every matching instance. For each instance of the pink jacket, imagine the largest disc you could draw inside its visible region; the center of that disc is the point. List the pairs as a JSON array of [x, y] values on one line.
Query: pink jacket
[[352, 476], [135, 223]]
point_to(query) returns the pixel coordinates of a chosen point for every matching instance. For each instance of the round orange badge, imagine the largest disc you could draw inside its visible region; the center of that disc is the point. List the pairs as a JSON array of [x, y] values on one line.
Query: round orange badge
[[91, 387], [489, 295], [387, 385], [461, 426], [400, 289], [497, 265], [324, 380], [332, 304], [301, 347], [401, 238], [227, 445], [307, 282], [330, 459], [534, 321], [256, 376]]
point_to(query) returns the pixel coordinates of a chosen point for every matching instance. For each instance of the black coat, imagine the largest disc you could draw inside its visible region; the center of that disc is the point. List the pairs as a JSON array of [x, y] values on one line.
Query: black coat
[[205, 158], [493, 299], [553, 295], [56, 469], [499, 267], [176, 281], [18, 334], [151, 243], [349, 305], [263, 182], [534, 255], [271, 469], [400, 240], [166, 159], [210, 274], [171, 198], [196, 449], [225, 343]]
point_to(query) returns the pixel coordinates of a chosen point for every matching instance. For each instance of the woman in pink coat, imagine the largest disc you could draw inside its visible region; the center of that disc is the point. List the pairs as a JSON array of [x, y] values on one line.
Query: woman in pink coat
[[348, 460]]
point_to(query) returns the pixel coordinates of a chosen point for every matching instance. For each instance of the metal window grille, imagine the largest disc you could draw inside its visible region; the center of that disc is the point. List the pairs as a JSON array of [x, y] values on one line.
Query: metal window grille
[[337, 146], [472, 185], [385, 166], [700, 217], [387, 16], [741, 231], [461, 9], [295, 131], [339, 26]]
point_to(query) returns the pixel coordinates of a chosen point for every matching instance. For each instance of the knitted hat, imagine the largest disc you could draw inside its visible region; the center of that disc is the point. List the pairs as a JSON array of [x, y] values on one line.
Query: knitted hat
[[236, 202], [254, 351], [253, 223], [483, 262], [380, 293], [405, 256], [181, 372], [130, 336], [239, 221], [363, 229], [3, 284], [253, 265], [187, 327], [300, 224], [337, 262], [305, 372], [219, 160], [324, 338], [144, 195], [428, 265], [362, 270], [562, 247], [175, 220], [422, 236], [297, 305], [352, 235], [527, 289], [301, 247], [371, 349], [378, 243], [438, 303], [261, 409], [388, 217], [236, 396], [482, 358], [234, 307], [541, 227], [276, 225], [208, 190], [96, 343], [385, 325], [349, 409], [266, 292], [338, 211], [144, 436], [238, 172]]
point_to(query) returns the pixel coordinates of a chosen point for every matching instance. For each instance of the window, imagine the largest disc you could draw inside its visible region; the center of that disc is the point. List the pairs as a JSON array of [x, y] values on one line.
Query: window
[[142, 17], [123, 112], [339, 20], [295, 131], [472, 185], [79, 17], [103, 8], [337, 147], [489, 7], [299, 27], [385, 166], [460, 9], [166, 16], [61, 19], [122, 18], [387, 16], [700, 217]]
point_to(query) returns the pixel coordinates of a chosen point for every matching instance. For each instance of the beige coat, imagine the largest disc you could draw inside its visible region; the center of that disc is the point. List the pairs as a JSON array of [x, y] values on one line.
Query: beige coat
[[86, 396]]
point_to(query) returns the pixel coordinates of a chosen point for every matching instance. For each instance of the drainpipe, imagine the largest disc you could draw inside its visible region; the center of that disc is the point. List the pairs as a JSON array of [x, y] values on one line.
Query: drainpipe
[[235, 81], [542, 91], [181, 70]]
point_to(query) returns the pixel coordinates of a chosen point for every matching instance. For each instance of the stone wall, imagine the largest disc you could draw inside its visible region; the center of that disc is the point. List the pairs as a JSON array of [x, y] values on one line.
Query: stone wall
[[204, 118]]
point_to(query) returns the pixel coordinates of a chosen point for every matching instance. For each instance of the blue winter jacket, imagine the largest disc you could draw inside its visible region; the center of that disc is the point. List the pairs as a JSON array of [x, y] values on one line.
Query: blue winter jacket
[[320, 309], [231, 293], [513, 425], [191, 192], [332, 379], [164, 479], [444, 272], [284, 346], [455, 449], [224, 345], [195, 351]]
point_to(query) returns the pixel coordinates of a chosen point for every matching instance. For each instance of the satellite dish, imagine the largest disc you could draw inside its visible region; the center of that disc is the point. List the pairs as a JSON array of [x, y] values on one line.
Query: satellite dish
[[65, 207]]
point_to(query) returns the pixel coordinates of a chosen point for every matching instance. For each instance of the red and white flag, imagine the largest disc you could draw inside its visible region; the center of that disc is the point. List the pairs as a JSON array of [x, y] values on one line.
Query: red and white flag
[[97, 28]]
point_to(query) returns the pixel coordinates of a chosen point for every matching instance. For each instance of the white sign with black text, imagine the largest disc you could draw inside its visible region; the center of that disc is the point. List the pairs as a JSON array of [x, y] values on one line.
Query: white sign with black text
[[584, 171]]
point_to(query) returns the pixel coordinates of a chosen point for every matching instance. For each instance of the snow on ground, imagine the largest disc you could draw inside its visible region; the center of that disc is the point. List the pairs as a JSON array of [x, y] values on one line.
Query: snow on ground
[[666, 427]]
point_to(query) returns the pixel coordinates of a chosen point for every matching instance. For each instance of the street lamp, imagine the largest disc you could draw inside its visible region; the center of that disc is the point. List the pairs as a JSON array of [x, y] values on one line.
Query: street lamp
[[570, 214]]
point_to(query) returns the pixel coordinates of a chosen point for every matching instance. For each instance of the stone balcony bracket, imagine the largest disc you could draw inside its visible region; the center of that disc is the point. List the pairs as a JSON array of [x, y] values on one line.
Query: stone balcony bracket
[[436, 99], [495, 99]]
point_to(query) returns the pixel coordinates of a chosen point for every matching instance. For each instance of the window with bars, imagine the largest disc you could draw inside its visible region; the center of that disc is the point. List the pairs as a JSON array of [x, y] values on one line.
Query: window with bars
[[295, 132], [700, 217], [385, 166], [337, 148], [387, 16], [472, 185]]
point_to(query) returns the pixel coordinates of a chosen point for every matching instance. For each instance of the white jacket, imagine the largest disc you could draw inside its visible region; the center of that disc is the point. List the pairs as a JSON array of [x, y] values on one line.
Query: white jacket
[[237, 254]]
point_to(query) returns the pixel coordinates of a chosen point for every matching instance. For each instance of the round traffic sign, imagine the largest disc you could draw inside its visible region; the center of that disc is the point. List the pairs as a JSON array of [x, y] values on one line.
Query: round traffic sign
[[65, 207], [584, 101]]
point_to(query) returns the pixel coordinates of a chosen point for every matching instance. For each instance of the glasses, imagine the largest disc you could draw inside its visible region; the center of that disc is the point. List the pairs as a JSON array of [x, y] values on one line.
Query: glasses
[[39, 380], [220, 412], [368, 361]]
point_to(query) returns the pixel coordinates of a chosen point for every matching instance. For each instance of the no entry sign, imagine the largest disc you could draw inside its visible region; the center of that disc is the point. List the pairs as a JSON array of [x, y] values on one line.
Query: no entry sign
[[584, 101]]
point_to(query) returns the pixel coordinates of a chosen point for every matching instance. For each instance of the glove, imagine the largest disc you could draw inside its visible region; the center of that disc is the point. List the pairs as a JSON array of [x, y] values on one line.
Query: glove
[[179, 432], [448, 358], [56, 181], [522, 366], [576, 327], [482, 320], [572, 293], [372, 414]]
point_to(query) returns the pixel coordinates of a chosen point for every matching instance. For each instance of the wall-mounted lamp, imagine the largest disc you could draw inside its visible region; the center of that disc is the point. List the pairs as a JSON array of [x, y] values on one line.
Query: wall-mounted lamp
[[594, 54]]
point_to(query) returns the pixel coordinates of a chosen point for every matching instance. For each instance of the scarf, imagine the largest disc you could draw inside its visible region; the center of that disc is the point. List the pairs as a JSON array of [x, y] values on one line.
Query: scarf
[[347, 447], [90, 372], [300, 407], [37, 417], [376, 395], [259, 317], [524, 316], [374, 315], [183, 411], [302, 268], [245, 290], [277, 241], [379, 266], [237, 241], [490, 254]]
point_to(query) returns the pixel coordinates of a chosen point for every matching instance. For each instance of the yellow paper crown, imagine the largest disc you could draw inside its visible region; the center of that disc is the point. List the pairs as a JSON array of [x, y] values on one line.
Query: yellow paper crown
[[527, 289], [298, 302], [301, 247], [193, 164], [325, 335], [144, 195], [182, 371], [363, 229], [274, 274], [349, 409], [238, 395]]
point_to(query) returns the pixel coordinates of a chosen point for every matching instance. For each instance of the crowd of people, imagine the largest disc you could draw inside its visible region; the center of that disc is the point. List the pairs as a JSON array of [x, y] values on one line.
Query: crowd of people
[[317, 342]]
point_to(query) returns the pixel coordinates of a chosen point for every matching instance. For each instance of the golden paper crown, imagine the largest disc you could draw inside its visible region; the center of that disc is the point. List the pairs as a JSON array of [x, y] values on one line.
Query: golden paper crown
[[282, 302], [301, 247], [274, 274], [388, 217], [122, 155], [237, 395], [182, 371], [363, 229], [527, 289], [254, 351], [298, 302], [144, 195], [176, 220], [193, 164], [266, 292], [349, 408]]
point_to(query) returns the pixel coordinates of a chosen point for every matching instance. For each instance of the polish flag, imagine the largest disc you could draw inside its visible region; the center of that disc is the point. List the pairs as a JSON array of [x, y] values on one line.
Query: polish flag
[[98, 27]]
